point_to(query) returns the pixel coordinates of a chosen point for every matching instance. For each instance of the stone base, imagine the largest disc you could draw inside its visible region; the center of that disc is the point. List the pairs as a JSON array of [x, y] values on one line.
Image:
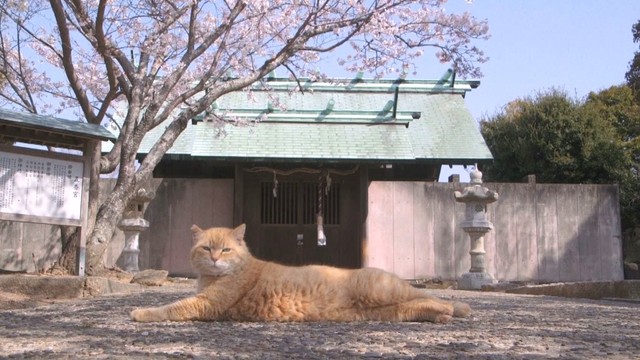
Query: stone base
[[150, 277], [130, 260], [475, 281]]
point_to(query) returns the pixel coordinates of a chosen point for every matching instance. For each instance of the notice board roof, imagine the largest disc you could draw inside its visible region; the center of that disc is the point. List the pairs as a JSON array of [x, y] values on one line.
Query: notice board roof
[[49, 130]]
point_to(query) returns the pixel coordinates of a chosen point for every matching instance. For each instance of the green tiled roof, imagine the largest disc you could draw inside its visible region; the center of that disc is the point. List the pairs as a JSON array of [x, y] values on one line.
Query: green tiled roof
[[338, 121]]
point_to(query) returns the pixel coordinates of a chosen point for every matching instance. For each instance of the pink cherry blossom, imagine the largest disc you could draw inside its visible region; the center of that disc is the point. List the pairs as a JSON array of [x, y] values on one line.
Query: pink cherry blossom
[[166, 61]]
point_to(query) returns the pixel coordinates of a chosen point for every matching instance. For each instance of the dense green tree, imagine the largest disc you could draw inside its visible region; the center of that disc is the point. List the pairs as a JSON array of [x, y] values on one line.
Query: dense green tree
[[633, 75], [554, 137], [563, 140], [617, 106]]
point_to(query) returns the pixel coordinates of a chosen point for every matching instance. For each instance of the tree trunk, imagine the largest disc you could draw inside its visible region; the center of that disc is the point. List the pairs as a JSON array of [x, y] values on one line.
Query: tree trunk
[[111, 211], [107, 221], [70, 239], [129, 181]]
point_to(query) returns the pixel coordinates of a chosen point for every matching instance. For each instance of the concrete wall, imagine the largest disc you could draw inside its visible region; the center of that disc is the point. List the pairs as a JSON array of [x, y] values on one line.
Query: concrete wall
[[542, 232], [29, 247], [165, 245], [180, 203]]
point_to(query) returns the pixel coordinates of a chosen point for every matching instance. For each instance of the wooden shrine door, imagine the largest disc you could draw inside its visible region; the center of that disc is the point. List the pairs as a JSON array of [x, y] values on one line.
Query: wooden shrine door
[[282, 224]]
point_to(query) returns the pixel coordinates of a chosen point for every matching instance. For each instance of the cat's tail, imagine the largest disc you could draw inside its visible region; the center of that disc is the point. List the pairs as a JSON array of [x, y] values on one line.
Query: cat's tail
[[461, 309]]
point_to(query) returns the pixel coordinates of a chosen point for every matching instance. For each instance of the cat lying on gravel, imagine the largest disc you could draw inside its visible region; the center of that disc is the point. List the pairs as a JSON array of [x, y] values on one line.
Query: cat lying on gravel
[[233, 285]]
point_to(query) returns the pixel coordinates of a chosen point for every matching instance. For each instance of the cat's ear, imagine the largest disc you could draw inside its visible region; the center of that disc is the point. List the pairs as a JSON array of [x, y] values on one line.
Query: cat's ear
[[196, 232], [238, 233]]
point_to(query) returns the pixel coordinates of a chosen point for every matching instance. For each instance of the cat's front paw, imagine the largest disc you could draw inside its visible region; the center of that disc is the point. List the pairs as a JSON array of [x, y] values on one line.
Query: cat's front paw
[[442, 319], [461, 309], [143, 315]]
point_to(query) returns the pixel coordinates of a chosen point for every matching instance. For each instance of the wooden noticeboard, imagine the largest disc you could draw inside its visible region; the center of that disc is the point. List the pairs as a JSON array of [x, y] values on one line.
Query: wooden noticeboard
[[45, 187], [48, 187]]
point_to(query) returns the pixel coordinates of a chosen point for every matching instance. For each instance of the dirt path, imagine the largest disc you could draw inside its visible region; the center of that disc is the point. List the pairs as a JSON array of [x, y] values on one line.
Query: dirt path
[[503, 326]]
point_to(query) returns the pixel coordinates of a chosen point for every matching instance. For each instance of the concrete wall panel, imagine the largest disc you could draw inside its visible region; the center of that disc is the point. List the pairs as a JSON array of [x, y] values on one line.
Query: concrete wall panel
[[542, 232], [423, 224]]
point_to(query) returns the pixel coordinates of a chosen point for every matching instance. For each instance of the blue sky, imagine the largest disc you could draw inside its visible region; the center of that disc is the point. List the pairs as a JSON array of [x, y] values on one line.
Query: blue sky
[[577, 46]]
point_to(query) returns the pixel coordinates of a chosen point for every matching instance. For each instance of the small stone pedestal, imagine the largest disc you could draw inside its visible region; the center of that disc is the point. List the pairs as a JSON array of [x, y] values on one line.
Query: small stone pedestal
[[132, 224], [476, 197], [131, 251]]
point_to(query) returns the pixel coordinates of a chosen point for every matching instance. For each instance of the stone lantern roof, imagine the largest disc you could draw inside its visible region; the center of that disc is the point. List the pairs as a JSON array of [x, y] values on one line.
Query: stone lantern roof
[[476, 192]]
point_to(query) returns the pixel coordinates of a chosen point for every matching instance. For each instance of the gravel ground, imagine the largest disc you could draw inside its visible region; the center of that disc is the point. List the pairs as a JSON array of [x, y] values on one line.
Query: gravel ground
[[503, 326]]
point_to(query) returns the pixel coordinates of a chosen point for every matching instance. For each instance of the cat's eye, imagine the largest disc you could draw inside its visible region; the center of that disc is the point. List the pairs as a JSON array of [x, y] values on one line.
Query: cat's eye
[[225, 250], [206, 248]]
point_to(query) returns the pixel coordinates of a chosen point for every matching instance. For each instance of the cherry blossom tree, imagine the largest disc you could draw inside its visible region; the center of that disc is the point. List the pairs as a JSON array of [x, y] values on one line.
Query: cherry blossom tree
[[169, 60]]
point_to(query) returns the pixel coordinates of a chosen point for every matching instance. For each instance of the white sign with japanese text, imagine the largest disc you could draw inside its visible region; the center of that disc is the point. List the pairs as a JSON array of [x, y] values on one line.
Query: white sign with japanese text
[[40, 186]]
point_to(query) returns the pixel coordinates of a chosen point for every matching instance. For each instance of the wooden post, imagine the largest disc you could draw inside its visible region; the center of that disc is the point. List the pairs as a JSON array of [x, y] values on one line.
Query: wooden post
[[238, 196], [89, 148], [363, 205]]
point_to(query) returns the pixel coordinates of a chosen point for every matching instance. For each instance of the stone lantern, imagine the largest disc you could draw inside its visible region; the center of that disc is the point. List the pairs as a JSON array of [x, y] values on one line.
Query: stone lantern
[[132, 224], [476, 197]]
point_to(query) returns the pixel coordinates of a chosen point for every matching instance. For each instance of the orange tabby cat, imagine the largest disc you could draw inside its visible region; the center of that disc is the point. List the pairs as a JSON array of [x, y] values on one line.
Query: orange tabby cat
[[233, 285]]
